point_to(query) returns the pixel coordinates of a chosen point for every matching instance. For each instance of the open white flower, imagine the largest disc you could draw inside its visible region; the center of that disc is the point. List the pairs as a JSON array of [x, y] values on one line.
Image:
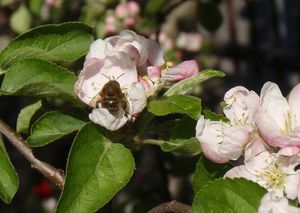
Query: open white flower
[[96, 74], [278, 119], [274, 172]]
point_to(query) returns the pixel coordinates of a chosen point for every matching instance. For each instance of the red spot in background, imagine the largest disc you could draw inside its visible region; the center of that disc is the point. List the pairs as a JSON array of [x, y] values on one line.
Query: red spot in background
[[43, 189]]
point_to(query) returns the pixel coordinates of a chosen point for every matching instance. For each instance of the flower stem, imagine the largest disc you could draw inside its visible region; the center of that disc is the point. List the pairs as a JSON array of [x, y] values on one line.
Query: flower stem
[[56, 176]]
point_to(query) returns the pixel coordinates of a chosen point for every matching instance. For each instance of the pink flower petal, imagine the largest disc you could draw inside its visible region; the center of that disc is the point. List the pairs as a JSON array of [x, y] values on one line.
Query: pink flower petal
[[155, 53]]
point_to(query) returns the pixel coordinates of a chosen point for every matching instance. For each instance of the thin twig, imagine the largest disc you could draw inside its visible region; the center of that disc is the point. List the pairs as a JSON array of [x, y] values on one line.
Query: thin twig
[[171, 207], [56, 176]]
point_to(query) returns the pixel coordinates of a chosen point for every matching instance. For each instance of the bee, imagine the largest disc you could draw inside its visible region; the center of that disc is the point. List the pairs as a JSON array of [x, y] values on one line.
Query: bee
[[111, 97]]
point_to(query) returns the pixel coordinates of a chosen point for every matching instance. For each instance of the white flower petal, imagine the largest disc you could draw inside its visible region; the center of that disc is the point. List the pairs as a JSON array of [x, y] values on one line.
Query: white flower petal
[[137, 98], [234, 140], [274, 104], [99, 49], [255, 147], [102, 117], [155, 54], [130, 37], [259, 162], [270, 203], [240, 171], [292, 185], [294, 102], [209, 134]]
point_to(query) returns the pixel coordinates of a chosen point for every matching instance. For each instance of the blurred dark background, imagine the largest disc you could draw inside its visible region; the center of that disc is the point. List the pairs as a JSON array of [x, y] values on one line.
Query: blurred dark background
[[257, 41]]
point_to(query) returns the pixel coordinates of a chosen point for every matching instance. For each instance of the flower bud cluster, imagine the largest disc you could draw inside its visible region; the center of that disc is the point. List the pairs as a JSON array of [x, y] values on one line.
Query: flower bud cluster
[[136, 66], [125, 15], [263, 132]]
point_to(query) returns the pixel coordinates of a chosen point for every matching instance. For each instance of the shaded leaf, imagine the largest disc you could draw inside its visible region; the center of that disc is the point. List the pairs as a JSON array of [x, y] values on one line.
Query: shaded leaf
[[207, 171], [228, 195], [26, 115], [185, 104], [184, 86], [97, 169], [55, 42], [9, 182], [208, 114], [52, 126]]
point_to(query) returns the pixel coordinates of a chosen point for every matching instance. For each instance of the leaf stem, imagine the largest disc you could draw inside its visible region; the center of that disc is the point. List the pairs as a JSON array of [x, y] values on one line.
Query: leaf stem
[[56, 176], [152, 141], [173, 206]]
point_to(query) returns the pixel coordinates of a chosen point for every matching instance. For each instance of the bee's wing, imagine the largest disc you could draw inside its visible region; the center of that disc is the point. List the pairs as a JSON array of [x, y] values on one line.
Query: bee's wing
[[94, 102]]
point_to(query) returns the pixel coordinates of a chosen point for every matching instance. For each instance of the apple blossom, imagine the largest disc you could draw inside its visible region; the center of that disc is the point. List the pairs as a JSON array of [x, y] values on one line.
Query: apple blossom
[[278, 119], [221, 142], [272, 171], [272, 203], [241, 106], [96, 73]]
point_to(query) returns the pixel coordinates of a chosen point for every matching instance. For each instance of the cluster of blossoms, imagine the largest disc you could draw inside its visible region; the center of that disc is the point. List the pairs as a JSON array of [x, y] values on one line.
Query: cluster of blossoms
[[125, 15], [263, 132], [137, 64]]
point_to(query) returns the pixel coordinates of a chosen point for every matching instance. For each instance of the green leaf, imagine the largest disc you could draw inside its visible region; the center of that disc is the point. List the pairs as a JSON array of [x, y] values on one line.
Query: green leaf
[[33, 77], [25, 116], [188, 105], [97, 169], [57, 43], [183, 141], [208, 114], [9, 182], [207, 171], [52, 126], [186, 146], [155, 6], [184, 86], [210, 15], [20, 20], [228, 196], [189, 126]]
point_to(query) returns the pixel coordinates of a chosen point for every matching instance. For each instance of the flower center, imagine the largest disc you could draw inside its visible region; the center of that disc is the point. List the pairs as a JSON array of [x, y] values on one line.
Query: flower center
[[273, 176], [288, 122]]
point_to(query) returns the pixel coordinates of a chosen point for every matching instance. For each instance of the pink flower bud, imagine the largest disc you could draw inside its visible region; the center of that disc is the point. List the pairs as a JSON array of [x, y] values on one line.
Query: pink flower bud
[[122, 11], [133, 8], [181, 71], [129, 21]]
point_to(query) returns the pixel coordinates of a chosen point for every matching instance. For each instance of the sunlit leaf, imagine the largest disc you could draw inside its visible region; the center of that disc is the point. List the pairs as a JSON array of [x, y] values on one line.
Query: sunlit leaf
[[9, 182], [184, 104], [97, 169], [228, 196], [186, 85], [57, 43], [52, 126]]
